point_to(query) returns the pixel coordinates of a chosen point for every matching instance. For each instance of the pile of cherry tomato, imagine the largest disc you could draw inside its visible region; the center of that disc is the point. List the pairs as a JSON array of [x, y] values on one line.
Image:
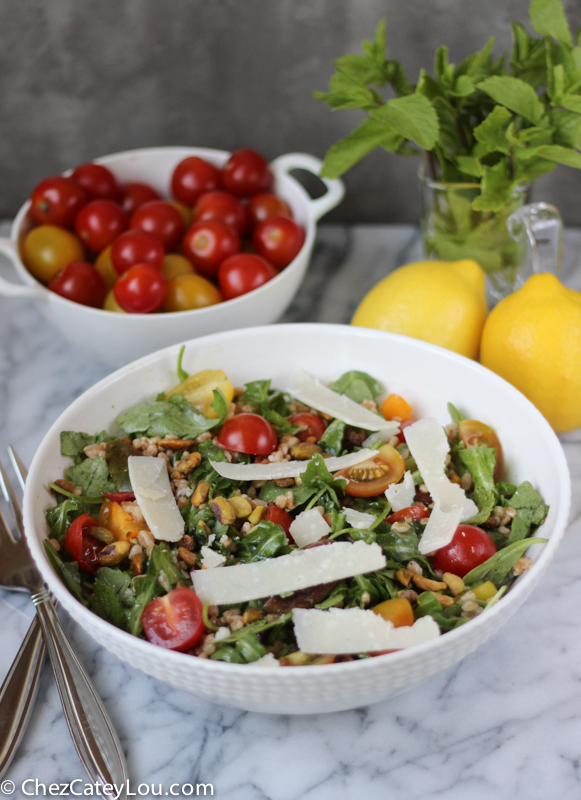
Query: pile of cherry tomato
[[124, 248]]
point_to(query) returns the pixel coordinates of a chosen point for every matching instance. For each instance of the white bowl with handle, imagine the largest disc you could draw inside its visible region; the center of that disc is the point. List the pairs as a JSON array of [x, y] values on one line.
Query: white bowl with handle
[[116, 338], [428, 377]]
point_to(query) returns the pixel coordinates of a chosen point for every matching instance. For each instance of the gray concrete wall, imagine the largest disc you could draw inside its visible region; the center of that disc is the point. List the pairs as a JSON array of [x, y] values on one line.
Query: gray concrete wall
[[82, 78]]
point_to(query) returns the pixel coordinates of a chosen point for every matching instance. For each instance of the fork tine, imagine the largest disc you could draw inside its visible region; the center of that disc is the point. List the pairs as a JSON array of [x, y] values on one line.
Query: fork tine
[[6, 536], [18, 464], [10, 495]]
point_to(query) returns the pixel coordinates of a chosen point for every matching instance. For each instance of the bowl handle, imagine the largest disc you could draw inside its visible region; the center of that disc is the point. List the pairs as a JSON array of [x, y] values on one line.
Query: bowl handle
[[335, 188], [7, 289]]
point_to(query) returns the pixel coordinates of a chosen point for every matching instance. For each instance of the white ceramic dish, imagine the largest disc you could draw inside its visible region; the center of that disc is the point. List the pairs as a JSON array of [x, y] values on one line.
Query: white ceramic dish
[[117, 339], [428, 377]]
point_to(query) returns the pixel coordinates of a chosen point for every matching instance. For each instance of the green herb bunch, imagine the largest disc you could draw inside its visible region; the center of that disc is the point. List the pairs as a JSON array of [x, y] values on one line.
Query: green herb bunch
[[479, 122]]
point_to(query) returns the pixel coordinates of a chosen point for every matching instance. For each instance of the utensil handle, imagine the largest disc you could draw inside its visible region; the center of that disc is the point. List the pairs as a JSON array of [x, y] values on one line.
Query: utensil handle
[[335, 188], [18, 692], [8, 289], [91, 730]]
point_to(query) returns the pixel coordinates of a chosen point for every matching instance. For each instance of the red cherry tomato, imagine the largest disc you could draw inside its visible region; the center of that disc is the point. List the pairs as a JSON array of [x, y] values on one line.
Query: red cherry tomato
[[162, 220], [477, 434], [470, 547], [136, 247], [242, 273], [279, 517], [313, 425], [402, 425], [248, 433], [221, 207], [99, 223], [264, 206], [207, 244], [246, 173], [174, 621], [83, 547], [118, 497], [136, 194], [193, 177], [373, 476], [279, 240], [415, 512], [142, 289], [81, 283], [56, 201], [98, 181]]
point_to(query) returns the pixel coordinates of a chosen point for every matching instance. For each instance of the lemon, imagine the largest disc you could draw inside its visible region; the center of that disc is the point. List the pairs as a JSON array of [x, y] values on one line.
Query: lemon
[[442, 302], [533, 340]]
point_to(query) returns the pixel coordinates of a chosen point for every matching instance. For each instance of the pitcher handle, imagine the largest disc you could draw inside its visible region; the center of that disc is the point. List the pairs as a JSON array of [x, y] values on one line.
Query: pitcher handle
[[540, 226]]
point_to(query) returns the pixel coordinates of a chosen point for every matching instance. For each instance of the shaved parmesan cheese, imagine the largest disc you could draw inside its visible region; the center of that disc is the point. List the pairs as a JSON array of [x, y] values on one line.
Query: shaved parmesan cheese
[[358, 519], [298, 570], [266, 661], [401, 495], [440, 529], [284, 469], [308, 527], [150, 484], [428, 445], [210, 558], [312, 392], [355, 630]]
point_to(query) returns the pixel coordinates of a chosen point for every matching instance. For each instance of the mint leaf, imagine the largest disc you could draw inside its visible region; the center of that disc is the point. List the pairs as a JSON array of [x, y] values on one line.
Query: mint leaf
[[548, 19], [413, 117], [515, 94], [347, 152], [496, 188], [572, 102], [567, 126], [491, 133], [562, 155], [469, 165]]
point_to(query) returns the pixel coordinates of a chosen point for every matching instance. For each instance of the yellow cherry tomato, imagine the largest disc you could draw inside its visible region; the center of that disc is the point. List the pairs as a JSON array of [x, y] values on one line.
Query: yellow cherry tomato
[[184, 210], [175, 265], [111, 303], [398, 611], [105, 267], [48, 249], [187, 292], [199, 389]]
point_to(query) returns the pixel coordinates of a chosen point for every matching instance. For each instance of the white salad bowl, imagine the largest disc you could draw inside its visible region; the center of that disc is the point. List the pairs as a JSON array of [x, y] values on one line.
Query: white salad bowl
[[428, 377], [117, 339]]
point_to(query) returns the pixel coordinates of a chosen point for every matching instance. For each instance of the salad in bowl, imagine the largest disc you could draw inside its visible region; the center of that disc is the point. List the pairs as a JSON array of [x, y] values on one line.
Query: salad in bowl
[[295, 525]]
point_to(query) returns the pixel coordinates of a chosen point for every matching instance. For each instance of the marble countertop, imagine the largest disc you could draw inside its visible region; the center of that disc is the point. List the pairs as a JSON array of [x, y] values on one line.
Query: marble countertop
[[504, 723]]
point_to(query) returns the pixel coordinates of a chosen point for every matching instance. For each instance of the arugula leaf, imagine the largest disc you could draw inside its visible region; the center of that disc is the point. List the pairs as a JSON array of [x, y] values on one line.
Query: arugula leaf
[[548, 19], [107, 605], [148, 586], [175, 415], [332, 440], [401, 547], [256, 393], [358, 386], [265, 540], [68, 571], [281, 425], [530, 511], [59, 517], [454, 413], [480, 462], [92, 475], [429, 605], [182, 374], [72, 444], [498, 567], [318, 478], [270, 491]]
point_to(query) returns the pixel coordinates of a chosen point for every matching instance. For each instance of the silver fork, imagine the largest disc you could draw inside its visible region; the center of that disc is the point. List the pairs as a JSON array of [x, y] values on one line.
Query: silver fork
[[92, 732]]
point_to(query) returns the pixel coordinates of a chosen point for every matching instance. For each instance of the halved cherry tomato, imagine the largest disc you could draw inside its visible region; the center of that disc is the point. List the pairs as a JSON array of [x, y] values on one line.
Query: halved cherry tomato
[[97, 181], [83, 547], [373, 476], [415, 512], [279, 240], [81, 283], [174, 621], [100, 222], [162, 220], [221, 207], [248, 433], [397, 611], [135, 195], [245, 173], [477, 434], [313, 424], [394, 406], [118, 497], [280, 517], [193, 177], [56, 201], [470, 547]]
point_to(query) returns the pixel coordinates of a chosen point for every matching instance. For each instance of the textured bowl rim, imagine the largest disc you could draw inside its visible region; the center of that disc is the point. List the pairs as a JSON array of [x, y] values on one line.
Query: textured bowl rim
[[310, 230], [80, 613]]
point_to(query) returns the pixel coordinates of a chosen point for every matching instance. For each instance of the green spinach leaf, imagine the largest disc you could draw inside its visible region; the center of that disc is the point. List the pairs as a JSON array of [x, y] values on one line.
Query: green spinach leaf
[[332, 440], [359, 386], [265, 540]]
